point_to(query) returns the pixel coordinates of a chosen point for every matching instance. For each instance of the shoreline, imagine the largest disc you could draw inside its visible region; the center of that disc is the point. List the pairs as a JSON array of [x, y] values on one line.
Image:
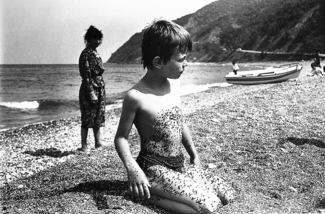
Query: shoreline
[[40, 117], [48, 147], [186, 89], [49, 132]]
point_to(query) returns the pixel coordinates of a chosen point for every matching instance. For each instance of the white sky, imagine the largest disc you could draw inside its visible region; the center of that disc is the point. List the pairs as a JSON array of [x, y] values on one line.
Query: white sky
[[51, 31]]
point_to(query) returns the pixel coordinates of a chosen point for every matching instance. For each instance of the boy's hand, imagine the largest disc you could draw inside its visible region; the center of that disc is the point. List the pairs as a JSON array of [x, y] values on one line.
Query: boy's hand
[[139, 184], [196, 161]]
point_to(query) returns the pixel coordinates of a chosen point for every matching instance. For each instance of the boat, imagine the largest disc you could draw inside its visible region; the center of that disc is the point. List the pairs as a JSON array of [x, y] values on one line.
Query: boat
[[268, 75]]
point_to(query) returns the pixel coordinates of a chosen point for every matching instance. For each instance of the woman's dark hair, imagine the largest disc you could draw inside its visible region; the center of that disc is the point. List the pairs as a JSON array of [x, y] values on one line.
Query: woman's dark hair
[[91, 33], [163, 39]]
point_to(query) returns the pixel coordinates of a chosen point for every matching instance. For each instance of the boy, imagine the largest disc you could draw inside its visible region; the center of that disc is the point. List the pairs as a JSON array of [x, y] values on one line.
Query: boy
[[153, 105]]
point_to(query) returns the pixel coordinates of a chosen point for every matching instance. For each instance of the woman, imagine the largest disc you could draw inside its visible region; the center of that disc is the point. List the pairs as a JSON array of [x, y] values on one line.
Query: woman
[[92, 89]]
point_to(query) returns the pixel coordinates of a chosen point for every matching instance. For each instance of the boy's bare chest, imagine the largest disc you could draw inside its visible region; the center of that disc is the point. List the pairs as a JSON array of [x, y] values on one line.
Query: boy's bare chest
[[156, 104]]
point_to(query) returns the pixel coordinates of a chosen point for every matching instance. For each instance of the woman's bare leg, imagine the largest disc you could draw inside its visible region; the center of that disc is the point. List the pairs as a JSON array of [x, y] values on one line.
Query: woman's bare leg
[[98, 143], [84, 135]]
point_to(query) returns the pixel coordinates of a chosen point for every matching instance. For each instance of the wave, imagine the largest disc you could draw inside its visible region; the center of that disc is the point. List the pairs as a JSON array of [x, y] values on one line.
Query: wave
[[190, 89], [21, 105], [54, 105], [40, 104]]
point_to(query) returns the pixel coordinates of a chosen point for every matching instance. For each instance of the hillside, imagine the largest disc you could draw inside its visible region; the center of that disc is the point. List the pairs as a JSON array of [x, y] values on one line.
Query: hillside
[[218, 29]]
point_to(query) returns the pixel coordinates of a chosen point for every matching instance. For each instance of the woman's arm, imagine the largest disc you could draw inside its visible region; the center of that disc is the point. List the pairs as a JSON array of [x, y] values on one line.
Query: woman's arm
[[138, 182], [86, 75]]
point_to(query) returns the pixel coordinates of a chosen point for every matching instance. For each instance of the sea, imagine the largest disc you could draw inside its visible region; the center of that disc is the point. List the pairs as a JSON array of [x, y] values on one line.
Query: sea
[[37, 93]]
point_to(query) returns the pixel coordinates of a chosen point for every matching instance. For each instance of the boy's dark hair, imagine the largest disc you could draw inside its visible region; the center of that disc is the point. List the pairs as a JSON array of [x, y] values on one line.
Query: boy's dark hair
[[163, 38], [92, 32]]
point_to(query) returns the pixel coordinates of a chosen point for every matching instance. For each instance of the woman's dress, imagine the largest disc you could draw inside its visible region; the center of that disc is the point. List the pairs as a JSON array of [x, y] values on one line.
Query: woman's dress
[[93, 85]]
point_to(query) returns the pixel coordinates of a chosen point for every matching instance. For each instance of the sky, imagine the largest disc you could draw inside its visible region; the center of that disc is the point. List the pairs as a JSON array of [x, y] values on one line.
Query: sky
[[51, 31]]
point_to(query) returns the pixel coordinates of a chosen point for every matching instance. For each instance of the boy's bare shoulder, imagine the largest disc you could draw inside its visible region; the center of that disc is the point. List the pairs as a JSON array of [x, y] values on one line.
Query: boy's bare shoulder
[[134, 94], [141, 92], [138, 90]]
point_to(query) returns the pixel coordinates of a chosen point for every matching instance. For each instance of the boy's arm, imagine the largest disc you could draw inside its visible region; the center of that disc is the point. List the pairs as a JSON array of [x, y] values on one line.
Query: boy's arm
[[138, 182], [189, 146]]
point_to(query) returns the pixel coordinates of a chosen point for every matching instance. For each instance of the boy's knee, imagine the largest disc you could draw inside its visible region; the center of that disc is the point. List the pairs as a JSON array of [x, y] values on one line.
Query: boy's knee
[[209, 208], [229, 196], [210, 204]]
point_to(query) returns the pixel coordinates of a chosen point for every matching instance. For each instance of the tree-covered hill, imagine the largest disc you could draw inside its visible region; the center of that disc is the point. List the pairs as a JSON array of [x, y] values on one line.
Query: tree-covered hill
[[218, 29]]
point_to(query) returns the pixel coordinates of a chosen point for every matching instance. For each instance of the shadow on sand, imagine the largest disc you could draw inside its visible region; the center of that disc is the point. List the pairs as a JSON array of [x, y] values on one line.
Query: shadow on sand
[[101, 191], [51, 152], [302, 141]]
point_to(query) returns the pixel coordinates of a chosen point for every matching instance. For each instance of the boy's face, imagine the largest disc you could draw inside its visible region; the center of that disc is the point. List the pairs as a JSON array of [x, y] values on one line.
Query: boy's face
[[176, 66]]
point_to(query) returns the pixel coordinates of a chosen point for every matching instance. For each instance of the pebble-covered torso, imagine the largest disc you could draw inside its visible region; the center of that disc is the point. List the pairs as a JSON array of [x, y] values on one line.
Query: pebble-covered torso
[[163, 147], [166, 141]]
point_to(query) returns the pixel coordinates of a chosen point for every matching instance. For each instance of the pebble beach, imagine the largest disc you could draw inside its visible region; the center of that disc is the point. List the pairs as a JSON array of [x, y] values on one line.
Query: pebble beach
[[41, 171]]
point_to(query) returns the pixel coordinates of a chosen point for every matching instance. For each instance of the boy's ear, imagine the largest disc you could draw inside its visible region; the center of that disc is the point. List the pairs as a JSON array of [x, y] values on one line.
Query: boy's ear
[[157, 62]]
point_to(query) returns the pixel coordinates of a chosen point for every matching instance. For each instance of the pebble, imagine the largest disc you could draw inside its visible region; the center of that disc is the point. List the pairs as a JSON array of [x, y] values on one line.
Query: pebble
[[211, 166], [30, 149]]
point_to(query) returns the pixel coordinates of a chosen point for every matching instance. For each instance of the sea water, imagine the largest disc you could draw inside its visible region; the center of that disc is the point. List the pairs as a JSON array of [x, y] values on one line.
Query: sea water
[[36, 93]]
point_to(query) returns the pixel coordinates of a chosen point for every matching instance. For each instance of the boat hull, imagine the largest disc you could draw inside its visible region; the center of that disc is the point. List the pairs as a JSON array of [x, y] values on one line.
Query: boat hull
[[264, 78]]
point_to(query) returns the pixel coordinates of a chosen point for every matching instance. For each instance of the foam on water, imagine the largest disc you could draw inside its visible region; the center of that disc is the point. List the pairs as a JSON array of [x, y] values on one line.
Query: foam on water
[[21, 105], [190, 89]]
